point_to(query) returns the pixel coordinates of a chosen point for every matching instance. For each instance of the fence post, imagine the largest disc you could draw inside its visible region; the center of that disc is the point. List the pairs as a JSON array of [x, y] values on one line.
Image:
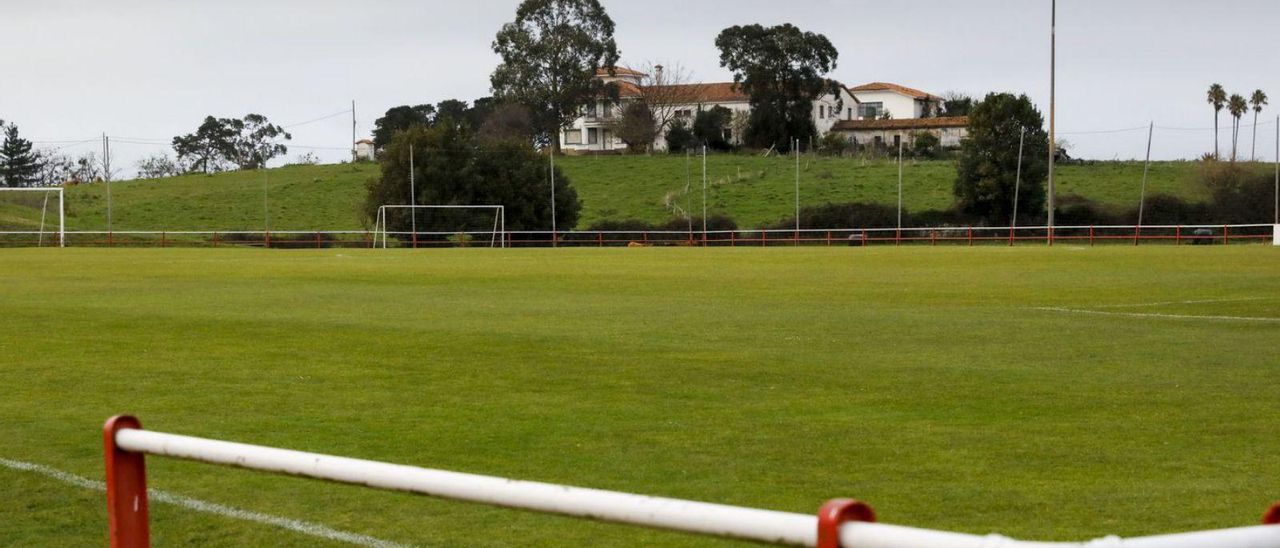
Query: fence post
[[215, 238], [970, 236], [1090, 235], [828, 238], [897, 238], [646, 237], [1226, 235], [764, 237], [126, 488], [864, 238], [836, 513], [733, 239], [163, 240], [933, 238], [600, 239], [267, 241], [1177, 239], [1137, 235], [318, 246]]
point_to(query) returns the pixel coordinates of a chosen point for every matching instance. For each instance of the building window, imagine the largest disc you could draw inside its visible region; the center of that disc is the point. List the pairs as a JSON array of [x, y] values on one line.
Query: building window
[[870, 111], [573, 137], [591, 110], [897, 140], [822, 111], [850, 113], [684, 114], [593, 136]]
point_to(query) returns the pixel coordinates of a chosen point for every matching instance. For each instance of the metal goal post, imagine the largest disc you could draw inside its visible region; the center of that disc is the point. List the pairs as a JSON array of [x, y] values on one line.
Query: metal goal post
[[62, 211], [840, 522], [499, 233]]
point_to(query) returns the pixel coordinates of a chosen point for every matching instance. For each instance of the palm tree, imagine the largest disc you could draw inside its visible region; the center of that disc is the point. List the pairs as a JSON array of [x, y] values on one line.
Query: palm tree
[[1258, 101], [1237, 106], [1217, 98]]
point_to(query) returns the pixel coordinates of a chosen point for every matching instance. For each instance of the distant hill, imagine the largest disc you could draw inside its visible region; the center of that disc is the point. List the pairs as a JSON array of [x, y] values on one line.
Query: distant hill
[[751, 189]]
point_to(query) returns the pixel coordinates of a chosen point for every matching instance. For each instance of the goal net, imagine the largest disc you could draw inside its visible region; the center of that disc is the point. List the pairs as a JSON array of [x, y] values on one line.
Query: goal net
[[32, 217], [440, 226]]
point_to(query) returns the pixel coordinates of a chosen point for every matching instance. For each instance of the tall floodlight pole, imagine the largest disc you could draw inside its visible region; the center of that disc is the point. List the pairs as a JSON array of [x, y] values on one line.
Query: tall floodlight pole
[[551, 153], [704, 195], [1017, 186], [900, 185], [1053, 104], [1142, 200]]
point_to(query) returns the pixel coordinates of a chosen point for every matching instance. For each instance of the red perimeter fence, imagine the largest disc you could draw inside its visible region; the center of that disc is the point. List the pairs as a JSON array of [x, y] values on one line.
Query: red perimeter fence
[[935, 236]]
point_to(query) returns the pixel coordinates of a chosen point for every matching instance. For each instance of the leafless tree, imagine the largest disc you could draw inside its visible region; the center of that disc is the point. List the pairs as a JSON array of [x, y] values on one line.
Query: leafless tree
[[667, 90]]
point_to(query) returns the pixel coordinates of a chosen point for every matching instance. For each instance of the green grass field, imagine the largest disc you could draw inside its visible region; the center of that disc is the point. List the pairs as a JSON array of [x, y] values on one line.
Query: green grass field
[[924, 381], [753, 190]]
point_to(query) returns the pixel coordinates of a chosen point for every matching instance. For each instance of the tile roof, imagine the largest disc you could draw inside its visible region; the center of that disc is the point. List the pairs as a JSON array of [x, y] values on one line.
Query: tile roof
[[718, 92], [907, 123], [885, 86], [619, 71]]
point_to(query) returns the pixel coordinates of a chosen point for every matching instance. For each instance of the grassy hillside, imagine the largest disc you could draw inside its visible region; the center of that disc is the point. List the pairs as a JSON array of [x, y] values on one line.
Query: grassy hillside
[[751, 189]]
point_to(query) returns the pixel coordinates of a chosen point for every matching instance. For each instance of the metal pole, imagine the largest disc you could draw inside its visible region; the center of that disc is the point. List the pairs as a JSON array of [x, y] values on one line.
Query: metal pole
[[62, 219], [266, 211], [797, 188], [106, 175], [688, 197], [1053, 88], [704, 195], [899, 183], [552, 154], [413, 197], [1017, 185], [1142, 201], [1278, 170], [354, 152]]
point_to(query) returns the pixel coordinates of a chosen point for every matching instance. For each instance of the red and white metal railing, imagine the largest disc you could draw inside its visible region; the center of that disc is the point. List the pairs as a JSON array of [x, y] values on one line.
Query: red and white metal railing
[[840, 522]]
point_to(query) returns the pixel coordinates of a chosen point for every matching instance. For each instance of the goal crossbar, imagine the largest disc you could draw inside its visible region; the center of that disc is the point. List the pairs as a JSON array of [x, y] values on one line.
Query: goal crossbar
[[841, 522], [62, 211], [498, 237]]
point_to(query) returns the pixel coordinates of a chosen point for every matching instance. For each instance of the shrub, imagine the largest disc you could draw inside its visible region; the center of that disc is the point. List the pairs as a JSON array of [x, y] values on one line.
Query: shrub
[[679, 138]]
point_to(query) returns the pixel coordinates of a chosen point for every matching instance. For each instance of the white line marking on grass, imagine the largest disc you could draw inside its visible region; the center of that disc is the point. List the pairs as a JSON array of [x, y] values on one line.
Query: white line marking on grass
[[1158, 316], [1171, 303], [298, 526]]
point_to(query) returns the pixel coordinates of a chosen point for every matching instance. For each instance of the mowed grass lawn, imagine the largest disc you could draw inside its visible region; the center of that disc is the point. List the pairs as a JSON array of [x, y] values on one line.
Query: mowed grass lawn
[[923, 381]]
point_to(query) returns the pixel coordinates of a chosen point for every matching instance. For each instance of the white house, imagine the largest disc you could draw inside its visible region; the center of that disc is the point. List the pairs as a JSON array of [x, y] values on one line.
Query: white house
[[593, 133], [891, 113], [365, 150]]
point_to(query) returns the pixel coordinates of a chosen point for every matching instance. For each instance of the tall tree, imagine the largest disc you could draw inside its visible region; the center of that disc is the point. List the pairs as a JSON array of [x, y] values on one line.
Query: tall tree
[[957, 104], [1258, 100], [783, 69], [666, 90], [1237, 106], [1217, 98], [399, 119], [987, 169], [19, 165], [206, 148], [255, 142], [637, 127], [551, 54]]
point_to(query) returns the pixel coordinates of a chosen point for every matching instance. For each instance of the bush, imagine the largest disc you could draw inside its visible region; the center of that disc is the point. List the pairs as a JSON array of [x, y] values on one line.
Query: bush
[[1242, 194], [679, 138], [834, 144]]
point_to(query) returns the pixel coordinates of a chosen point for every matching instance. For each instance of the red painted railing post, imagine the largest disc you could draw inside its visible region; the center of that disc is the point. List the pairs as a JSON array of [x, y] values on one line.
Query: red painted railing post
[[646, 237], [897, 238], [1226, 235], [836, 513], [970, 236], [215, 239], [864, 238], [733, 239], [318, 246], [828, 238], [1178, 237], [600, 239], [163, 240], [764, 238], [933, 238], [267, 240], [1090, 235], [1137, 236], [126, 488]]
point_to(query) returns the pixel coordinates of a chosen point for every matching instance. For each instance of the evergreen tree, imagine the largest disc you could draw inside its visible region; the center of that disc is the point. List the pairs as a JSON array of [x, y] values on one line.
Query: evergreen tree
[[19, 165]]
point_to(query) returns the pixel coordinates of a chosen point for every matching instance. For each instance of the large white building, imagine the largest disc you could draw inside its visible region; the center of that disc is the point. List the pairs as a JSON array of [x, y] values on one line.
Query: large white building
[[871, 114]]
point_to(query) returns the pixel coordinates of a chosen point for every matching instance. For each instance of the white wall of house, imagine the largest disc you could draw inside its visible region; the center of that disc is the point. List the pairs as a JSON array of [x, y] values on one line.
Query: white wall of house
[[950, 137], [898, 105]]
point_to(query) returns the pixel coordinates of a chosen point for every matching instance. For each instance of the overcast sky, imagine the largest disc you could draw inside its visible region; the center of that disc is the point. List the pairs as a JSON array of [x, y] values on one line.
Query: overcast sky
[[146, 70]]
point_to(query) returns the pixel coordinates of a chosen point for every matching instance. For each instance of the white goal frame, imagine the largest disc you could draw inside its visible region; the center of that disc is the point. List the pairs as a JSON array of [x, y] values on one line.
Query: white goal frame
[[499, 239], [62, 212]]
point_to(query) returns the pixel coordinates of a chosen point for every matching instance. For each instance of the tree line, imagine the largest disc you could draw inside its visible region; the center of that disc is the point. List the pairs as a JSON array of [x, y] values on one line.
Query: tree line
[[1237, 106]]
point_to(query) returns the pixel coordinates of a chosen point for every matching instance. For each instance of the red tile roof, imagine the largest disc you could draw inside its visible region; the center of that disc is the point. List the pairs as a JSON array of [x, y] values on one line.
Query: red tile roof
[[908, 123], [885, 86], [619, 71], [718, 92]]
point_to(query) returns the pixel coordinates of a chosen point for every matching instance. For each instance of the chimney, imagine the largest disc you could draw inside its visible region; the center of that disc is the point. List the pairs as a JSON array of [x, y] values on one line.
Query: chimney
[[657, 76]]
